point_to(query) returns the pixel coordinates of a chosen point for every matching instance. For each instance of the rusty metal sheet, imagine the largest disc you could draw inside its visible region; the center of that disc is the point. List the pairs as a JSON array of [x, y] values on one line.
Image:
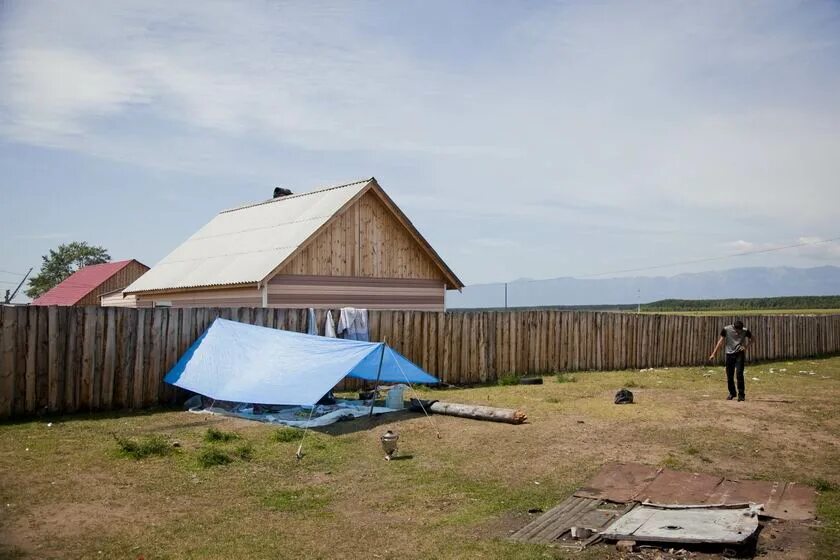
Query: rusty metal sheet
[[618, 482], [797, 502], [744, 492], [630, 482], [675, 487]]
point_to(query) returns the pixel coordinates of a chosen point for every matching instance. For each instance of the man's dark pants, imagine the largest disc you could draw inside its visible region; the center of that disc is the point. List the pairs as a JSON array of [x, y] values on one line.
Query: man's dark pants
[[735, 366]]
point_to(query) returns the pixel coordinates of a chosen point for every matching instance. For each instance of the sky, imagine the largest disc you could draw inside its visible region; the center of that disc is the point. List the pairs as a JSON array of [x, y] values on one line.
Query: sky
[[523, 139]]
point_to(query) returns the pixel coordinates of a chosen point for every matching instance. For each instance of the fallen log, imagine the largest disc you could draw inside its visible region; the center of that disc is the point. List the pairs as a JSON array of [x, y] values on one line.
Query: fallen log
[[507, 415]]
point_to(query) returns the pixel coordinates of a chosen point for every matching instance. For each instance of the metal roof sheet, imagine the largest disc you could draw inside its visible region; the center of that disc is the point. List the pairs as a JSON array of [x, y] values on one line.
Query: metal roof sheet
[[80, 283], [244, 245]]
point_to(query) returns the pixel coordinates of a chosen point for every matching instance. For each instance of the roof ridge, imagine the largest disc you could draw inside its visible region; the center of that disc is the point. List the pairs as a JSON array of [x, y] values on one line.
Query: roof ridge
[[297, 195]]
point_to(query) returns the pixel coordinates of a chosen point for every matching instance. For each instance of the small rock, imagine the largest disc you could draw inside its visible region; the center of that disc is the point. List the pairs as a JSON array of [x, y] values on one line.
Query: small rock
[[49, 424], [625, 546], [176, 444], [535, 510]]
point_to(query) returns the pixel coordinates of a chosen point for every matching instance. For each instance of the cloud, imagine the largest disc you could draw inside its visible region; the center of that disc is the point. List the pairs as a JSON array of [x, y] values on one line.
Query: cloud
[[812, 248], [636, 130], [43, 236]]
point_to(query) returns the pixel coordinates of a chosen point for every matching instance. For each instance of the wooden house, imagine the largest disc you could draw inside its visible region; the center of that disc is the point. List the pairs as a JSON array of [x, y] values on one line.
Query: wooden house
[[348, 245], [87, 285]]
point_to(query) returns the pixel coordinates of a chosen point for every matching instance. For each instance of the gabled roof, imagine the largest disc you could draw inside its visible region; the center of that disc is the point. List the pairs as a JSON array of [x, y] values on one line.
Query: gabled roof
[[81, 283], [247, 245]]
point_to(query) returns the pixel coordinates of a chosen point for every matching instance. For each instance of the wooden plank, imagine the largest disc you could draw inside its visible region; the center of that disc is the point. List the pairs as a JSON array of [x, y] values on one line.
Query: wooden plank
[[126, 327], [42, 381], [98, 358], [109, 364], [138, 381], [156, 351], [8, 349], [31, 361], [171, 349], [88, 370], [72, 364]]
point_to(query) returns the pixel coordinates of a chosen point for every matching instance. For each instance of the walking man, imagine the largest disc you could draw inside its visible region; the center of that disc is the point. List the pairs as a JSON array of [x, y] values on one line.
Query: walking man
[[737, 340]]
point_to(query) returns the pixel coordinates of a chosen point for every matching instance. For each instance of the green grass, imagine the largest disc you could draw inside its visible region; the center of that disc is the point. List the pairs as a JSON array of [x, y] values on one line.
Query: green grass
[[302, 500], [565, 378], [510, 379], [67, 491], [214, 456], [215, 435], [284, 435], [141, 448]]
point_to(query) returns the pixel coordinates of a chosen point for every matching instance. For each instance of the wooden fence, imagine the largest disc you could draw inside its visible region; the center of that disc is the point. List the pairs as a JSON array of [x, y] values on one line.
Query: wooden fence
[[61, 359]]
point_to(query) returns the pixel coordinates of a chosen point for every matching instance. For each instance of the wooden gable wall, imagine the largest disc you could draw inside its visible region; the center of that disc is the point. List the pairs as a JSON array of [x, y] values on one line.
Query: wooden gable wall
[[128, 274], [367, 241]]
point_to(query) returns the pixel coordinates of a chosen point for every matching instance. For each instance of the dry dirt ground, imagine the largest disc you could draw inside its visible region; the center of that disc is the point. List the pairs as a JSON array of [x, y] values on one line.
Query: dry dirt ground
[[66, 492]]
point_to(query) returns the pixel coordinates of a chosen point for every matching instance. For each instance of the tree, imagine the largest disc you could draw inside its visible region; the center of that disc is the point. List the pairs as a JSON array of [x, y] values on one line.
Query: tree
[[63, 262]]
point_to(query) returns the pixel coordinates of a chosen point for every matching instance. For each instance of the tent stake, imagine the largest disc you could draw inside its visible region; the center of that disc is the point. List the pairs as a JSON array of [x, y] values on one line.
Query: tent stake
[[378, 375]]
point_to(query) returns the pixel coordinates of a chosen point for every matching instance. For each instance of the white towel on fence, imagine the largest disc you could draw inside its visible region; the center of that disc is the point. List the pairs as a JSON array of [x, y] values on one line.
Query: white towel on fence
[[329, 325], [311, 323], [353, 324]]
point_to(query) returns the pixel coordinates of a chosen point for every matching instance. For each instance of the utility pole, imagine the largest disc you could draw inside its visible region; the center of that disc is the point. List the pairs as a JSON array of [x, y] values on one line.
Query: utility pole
[[9, 298], [505, 295]]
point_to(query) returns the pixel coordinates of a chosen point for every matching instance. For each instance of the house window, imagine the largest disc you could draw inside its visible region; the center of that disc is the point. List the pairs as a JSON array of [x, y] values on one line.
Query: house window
[[163, 304]]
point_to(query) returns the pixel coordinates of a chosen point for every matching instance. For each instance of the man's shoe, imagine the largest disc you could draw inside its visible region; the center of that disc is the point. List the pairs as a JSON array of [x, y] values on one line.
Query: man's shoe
[[730, 397], [741, 398]]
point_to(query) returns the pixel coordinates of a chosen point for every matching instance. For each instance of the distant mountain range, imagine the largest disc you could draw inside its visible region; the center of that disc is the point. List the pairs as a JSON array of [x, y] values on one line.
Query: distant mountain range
[[733, 283]]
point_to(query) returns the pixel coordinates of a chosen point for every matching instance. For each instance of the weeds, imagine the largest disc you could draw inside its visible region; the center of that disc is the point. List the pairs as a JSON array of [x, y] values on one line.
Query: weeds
[[510, 379], [823, 485], [213, 457], [244, 451], [632, 384], [297, 501], [565, 378], [283, 435], [148, 446], [215, 435]]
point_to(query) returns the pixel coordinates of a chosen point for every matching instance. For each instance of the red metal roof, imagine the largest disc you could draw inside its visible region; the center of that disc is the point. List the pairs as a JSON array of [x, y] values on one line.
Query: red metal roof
[[80, 283]]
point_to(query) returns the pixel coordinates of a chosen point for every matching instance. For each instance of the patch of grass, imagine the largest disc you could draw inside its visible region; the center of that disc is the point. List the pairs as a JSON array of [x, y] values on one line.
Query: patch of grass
[[672, 462], [828, 510], [214, 457], [214, 435], [284, 435], [565, 378], [823, 485], [510, 379], [299, 500], [691, 450], [552, 400], [632, 384], [244, 451], [140, 448]]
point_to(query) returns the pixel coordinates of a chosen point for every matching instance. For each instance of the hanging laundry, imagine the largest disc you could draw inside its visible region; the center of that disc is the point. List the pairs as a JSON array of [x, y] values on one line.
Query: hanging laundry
[[311, 323], [353, 324], [329, 325]]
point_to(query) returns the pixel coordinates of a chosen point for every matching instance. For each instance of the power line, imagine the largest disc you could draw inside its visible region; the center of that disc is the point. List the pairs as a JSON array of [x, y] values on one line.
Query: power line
[[15, 273]]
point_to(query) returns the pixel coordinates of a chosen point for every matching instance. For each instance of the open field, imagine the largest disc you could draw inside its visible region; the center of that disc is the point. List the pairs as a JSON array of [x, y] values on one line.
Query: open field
[[746, 312], [66, 491]]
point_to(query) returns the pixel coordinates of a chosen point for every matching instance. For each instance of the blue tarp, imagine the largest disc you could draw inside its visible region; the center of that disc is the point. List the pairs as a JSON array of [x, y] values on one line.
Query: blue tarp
[[245, 363]]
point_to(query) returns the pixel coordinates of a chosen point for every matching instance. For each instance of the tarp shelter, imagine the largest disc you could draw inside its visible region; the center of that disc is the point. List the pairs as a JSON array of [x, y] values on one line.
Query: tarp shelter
[[249, 364]]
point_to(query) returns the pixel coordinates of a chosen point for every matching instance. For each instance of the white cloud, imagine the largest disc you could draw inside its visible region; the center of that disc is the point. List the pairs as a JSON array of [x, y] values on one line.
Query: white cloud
[[636, 128]]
